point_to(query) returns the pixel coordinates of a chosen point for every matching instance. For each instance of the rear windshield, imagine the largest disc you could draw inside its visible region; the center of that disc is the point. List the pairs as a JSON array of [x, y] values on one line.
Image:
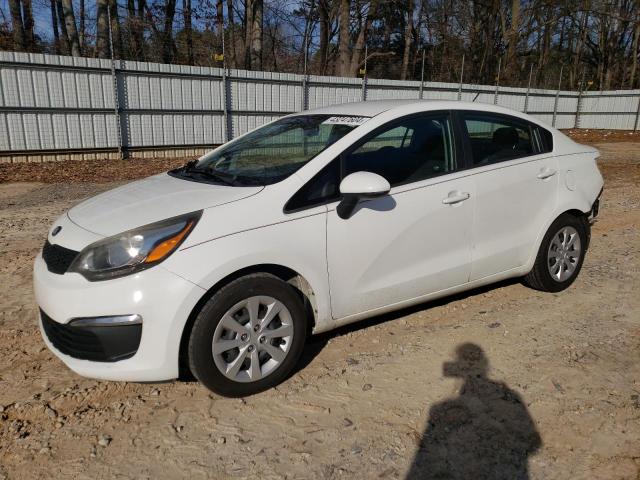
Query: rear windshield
[[273, 152]]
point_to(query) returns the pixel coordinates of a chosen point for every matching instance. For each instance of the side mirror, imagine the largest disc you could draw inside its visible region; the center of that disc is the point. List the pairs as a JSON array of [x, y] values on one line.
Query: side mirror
[[360, 185]]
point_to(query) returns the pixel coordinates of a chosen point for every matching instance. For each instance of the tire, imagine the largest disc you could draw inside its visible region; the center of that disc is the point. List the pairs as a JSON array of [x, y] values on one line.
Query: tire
[[558, 263], [225, 324]]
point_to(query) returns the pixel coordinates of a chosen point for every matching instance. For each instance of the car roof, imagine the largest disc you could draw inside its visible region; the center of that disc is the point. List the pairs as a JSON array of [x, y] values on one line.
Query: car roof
[[371, 108]]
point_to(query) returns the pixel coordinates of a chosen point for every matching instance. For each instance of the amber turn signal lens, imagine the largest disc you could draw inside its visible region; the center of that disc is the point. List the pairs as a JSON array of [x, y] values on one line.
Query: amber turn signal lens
[[165, 247]]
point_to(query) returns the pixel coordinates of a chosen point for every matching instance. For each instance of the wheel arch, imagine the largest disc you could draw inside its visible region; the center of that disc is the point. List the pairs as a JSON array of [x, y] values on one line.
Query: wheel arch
[[571, 210], [286, 274]]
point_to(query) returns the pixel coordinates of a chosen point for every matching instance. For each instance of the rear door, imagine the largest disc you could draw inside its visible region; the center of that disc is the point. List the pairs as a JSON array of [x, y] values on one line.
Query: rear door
[[516, 187]]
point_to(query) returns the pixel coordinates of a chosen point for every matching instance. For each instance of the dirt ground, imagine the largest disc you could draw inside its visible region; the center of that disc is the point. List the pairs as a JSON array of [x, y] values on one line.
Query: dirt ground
[[553, 380]]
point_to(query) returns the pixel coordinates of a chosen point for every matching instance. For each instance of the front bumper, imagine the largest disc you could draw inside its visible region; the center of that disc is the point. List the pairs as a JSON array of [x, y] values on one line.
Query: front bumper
[[93, 338], [163, 300]]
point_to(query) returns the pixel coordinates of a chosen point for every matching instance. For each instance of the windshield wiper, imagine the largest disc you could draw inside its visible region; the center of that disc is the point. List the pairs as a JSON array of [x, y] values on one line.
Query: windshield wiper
[[189, 170], [217, 176]]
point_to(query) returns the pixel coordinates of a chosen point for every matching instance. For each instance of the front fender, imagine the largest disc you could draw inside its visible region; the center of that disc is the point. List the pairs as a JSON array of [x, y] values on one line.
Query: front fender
[[299, 245]]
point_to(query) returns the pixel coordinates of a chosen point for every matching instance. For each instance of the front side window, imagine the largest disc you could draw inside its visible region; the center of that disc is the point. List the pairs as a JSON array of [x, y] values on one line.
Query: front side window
[[411, 150], [497, 138], [271, 153]]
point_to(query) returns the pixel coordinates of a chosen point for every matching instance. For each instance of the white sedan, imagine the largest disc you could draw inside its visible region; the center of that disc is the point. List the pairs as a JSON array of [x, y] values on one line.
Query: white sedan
[[318, 219]]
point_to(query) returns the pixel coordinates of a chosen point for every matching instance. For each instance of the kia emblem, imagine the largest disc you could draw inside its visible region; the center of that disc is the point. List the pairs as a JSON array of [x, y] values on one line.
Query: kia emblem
[[56, 231]]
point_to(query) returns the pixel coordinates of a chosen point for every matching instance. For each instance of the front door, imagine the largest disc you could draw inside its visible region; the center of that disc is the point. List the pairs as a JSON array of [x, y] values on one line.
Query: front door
[[417, 239]]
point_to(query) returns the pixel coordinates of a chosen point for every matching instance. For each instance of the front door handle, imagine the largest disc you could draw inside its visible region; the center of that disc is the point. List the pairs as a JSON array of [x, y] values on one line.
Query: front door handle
[[546, 172], [455, 197]]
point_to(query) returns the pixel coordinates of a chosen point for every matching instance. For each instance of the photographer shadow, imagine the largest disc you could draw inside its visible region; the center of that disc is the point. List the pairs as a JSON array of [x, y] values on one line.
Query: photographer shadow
[[484, 433]]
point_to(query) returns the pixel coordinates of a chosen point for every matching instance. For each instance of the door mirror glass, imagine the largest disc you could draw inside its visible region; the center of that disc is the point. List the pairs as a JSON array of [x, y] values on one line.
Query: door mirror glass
[[360, 185]]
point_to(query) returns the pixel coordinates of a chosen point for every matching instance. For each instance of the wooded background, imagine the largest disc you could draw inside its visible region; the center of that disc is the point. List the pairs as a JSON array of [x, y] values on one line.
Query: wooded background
[[596, 43]]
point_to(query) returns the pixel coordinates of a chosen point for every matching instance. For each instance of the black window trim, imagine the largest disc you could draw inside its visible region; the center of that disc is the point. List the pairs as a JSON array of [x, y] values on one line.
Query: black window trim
[[465, 139], [458, 151]]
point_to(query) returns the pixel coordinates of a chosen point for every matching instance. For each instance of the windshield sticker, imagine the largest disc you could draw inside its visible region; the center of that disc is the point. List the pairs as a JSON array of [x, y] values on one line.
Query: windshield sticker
[[344, 120]]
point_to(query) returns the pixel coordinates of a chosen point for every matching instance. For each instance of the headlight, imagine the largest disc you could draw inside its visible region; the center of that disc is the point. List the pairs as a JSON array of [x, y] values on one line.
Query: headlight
[[135, 250]]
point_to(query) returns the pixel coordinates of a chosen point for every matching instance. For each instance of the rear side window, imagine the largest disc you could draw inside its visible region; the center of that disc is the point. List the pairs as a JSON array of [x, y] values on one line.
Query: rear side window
[[496, 138]]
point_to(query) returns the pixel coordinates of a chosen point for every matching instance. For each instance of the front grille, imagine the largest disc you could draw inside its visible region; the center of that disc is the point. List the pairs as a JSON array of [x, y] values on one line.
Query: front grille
[[99, 344], [57, 258]]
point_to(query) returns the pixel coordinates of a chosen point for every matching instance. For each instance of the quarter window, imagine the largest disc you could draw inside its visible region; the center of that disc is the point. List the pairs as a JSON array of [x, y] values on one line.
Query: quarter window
[[496, 138]]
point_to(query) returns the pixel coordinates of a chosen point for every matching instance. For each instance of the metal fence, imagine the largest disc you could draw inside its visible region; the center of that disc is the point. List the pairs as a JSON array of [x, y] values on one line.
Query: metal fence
[[55, 107]]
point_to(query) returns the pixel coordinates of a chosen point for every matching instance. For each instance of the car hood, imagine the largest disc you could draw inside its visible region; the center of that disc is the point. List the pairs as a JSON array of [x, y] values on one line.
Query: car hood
[[150, 200]]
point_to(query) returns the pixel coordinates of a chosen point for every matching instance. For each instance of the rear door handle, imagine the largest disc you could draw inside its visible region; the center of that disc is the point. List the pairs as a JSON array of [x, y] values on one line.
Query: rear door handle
[[546, 172], [455, 197]]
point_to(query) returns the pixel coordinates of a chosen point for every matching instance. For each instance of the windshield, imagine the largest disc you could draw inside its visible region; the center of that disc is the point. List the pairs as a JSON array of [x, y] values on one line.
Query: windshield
[[273, 152]]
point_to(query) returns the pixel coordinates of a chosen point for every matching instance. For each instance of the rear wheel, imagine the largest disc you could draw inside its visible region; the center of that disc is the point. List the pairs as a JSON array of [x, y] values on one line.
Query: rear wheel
[[561, 254], [248, 336]]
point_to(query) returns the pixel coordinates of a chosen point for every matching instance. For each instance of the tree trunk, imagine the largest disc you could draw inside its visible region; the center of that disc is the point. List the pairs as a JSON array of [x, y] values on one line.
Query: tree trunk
[[54, 26], [256, 34], [19, 40], [248, 24], [408, 34], [635, 51], [116, 36], [513, 36], [82, 32], [323, 10], [231, 46], [72, 30], [103, 49], [132, 21], [220, 18], [359, 47], [167, 33], [142, 5], [577, 56], [63, 26], [344, 54], [186, 13], [27, 18]]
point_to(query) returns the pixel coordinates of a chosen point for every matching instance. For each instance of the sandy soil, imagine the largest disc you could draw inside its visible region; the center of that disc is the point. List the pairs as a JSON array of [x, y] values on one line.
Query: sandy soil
[[552, 387]]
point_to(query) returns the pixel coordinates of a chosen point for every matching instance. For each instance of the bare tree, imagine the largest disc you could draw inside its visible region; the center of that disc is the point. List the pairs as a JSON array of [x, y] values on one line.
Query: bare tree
[[186, 15], [232, 46], [54, 26], [167, 32], [27, 18], [63, 26], [103, 50], [323, 53], [19, 38], [408, 35], [81, 33], [256, 34], [116, 35], [344, 57], [72, 30]]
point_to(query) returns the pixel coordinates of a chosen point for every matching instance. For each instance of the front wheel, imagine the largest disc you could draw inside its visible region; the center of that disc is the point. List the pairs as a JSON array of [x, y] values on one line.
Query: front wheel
[[248, 337], [561, 254]]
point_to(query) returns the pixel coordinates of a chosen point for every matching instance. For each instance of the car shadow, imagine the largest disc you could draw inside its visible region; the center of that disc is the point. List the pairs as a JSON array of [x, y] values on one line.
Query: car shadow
[[316, 343], [486, 432]]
